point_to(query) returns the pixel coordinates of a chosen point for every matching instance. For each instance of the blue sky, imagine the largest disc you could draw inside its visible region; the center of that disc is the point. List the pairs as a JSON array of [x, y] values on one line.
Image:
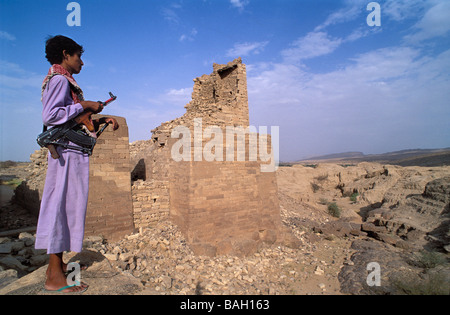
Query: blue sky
[[315, 68]]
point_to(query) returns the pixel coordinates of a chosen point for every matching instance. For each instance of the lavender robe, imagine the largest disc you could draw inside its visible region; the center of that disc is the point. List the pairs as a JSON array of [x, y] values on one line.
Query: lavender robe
[[64, 200]]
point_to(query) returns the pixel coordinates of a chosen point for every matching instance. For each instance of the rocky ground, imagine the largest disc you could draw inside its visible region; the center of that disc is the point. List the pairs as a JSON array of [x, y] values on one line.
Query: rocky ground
[[396, 217], [160, 262]]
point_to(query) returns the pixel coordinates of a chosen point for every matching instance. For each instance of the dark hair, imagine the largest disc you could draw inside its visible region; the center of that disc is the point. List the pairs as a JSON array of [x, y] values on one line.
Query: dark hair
[[54, 47]]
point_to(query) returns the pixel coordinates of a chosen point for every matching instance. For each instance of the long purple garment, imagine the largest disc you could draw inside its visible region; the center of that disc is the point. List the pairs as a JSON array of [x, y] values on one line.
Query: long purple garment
[[64, 200]]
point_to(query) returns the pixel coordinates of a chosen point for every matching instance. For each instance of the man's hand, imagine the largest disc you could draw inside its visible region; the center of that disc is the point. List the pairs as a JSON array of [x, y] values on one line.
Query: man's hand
[[94, 107], [110, 120]]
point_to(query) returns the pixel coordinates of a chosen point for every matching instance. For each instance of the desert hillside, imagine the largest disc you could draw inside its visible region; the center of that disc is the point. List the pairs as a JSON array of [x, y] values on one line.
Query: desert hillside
[[417, 157], [396, 216]]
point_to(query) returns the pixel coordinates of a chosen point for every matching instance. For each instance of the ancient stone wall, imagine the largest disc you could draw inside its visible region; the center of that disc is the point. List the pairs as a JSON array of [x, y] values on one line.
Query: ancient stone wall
[[222, 206], [110, 207], [150, 202]]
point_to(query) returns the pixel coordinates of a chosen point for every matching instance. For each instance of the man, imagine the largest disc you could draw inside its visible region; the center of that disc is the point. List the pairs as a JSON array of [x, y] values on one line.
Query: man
[[64, 200]]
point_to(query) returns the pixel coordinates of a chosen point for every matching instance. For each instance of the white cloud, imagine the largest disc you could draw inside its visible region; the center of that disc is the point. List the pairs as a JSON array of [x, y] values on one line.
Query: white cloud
[[179, 92], [245, 49], [361, 32], [170, 15], [312, 45], [7, 36], [13, 77], [173, 97], [435, 23], [386, 99], [189, 36], [399, 10], [239, 4], [352, 10]]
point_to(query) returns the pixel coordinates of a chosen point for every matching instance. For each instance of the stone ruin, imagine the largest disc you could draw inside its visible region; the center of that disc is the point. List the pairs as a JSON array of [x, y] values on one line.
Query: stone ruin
[[222, 206]]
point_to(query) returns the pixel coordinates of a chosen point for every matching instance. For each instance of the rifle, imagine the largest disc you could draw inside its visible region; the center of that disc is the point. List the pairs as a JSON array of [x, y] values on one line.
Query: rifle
[[85, 117], [68, 131]]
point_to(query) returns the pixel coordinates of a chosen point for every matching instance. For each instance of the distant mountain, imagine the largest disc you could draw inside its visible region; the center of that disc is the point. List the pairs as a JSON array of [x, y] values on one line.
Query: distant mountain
[[410, 157], [345, 155]]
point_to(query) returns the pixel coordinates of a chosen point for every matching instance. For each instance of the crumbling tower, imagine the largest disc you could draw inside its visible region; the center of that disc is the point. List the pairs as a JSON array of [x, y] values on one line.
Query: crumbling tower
[[222, 206]]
